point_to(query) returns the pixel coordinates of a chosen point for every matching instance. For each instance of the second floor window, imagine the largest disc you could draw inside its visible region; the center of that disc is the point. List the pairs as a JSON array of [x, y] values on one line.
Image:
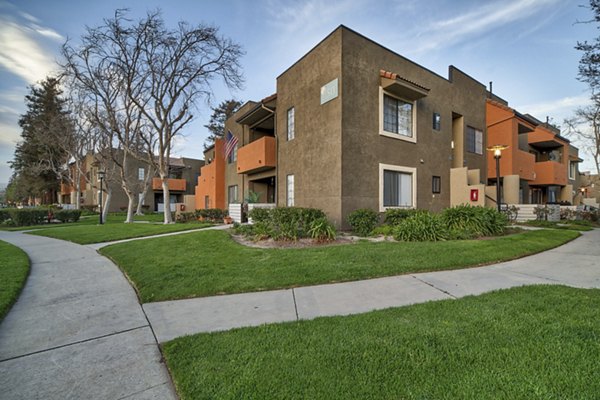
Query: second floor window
[[397, 116], [290, 124], [141, 174], [233, 155], [474, 140], [437, 121]]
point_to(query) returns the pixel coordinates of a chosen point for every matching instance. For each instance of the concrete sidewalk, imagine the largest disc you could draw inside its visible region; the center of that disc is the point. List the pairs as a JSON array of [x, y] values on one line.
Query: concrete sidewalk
[[77, 330], [575, 264]]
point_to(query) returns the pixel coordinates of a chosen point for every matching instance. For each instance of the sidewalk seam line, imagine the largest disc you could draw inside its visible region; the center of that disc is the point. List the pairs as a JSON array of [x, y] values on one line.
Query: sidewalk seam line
[[435, 287], [72, 344], [295, 304]]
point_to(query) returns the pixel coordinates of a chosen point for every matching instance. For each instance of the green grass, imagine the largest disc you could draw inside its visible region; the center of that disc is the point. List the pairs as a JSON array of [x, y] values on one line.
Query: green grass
[[209, 263], [112, 230], [582, 226], [14, 269], [521, 343], [89, 220]]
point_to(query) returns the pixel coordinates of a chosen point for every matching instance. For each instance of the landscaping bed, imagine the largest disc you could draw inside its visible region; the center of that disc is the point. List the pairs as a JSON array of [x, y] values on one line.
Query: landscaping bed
[[14, 269], [536, 342], [211, 262]]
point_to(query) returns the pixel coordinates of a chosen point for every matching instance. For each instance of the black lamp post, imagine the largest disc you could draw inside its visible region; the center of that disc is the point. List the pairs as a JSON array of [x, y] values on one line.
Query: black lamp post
[[497, 149], [101, 178]]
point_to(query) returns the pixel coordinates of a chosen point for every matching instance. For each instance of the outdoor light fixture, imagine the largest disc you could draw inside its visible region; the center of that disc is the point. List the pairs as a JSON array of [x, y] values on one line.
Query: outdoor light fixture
[[497, 150], [101, 179]]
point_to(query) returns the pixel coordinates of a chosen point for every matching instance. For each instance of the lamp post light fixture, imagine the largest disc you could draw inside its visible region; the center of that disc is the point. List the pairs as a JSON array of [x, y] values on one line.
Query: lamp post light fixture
[[497, 150], [101, 179]]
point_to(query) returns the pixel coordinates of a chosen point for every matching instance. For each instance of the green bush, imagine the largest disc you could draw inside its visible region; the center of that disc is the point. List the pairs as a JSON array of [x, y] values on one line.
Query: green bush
[[469, 221], [363, 221], [259, 214], [211, 214], [186, 216], [421, 227], [385, 230], [246, 230], [321, 230], [67, 215], [393, 216], [28, 216], [4, 215]]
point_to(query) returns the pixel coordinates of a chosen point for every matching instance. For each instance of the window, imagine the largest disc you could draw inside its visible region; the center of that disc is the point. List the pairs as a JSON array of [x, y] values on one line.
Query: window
[[572, 170], [290, 190], [141, 173], [397, 186], [397, 116], [290, 124], [206, 202], [474, 140], [233, 155], [232, 194], [437, 121], [436, 184]]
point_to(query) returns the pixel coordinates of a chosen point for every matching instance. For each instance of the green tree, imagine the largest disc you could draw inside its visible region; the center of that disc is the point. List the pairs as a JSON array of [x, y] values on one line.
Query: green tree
[[38, 160], [216, 124]]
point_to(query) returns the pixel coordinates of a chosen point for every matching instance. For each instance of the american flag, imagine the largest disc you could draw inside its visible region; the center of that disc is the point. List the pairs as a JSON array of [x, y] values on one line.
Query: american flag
[[230, 142]]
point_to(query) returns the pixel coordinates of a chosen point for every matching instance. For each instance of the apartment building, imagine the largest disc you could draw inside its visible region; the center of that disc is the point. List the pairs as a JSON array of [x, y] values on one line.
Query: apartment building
[[540, 166], [183, 174], [352, 125]]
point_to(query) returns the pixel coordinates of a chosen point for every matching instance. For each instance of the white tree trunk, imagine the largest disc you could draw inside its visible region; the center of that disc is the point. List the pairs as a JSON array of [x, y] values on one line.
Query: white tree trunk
[[166, 200], [130, 207], [144, 193], [106, 205]]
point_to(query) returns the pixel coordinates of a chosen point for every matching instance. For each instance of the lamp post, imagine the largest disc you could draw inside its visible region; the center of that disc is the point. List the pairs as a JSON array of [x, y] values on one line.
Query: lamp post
[[101, 179], [497, 149]]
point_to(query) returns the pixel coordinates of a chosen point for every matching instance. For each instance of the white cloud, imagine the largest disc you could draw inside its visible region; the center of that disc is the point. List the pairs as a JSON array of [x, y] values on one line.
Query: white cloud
[[478, 21], [21, 52], [558, 109]]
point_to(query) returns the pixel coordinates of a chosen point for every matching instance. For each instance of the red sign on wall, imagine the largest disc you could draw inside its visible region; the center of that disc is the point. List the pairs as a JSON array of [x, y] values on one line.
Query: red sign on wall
[[474, 194]]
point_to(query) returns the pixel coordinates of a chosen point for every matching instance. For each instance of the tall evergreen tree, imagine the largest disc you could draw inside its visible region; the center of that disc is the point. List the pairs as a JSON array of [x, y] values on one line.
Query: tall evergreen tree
[[38, 160], [216, 124]]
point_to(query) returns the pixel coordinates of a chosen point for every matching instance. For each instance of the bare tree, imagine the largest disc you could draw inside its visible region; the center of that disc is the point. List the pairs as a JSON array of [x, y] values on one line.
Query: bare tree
[[175, 69], [585, 126]]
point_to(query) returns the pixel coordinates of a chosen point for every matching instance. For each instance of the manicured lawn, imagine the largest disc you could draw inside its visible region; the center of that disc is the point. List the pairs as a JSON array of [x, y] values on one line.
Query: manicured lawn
[[14, 269], [582, 226], [89, 220], [536, 342], [113, 230], [209, 263]]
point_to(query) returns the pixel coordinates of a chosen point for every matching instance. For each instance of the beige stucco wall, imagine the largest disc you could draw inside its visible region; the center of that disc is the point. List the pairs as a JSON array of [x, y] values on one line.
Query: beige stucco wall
[[510, 187], [460, 192]]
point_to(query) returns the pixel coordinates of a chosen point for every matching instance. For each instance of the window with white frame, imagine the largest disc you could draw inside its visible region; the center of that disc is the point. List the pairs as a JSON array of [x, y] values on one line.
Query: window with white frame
[[398, 116], [397, 187], [141, 173], [290, 124], [289, 184], [572, 170], [474, 140], [232, 194], [233, 155]]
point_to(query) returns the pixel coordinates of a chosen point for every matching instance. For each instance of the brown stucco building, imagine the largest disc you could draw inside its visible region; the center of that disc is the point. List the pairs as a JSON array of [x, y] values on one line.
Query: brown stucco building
[[353, 125]]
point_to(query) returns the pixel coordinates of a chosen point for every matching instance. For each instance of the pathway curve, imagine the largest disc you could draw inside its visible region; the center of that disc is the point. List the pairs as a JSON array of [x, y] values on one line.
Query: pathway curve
[[77, 330], [575, 264]]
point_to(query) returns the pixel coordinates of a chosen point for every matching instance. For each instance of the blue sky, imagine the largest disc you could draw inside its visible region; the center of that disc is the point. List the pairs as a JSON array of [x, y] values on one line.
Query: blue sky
[[524, 46]]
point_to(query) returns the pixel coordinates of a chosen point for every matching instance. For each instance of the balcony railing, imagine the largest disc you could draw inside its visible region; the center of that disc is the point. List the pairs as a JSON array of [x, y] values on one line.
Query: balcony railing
[[550, 173], [176, 185], [257, 156]]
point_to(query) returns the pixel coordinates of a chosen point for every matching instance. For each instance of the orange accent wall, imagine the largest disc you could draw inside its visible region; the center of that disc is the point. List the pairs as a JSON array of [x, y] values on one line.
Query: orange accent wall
[[257, 156], [211, 181], [174, 184]]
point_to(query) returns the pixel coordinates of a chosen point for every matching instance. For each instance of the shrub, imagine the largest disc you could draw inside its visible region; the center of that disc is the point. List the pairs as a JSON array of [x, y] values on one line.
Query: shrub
[[394, 216], [421, 227], [473, 221], [385, 230], [363, 221], [186, 216], [541, 213], [246, 230], [4, 215], [259, 214], [28, 216], [321, 230], [211, 214], [67, 215]]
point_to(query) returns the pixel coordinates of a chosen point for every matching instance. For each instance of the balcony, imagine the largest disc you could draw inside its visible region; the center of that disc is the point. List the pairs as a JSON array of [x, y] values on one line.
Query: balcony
[[257, 156], [175, 185], [66, 189], [550, 173], [524, 165]]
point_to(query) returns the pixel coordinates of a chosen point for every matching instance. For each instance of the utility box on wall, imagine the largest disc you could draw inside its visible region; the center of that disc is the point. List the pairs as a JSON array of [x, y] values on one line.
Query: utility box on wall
[[474, 195]]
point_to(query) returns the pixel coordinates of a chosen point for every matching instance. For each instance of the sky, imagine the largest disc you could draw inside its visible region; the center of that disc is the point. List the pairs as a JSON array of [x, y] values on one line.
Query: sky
[[526, 47]]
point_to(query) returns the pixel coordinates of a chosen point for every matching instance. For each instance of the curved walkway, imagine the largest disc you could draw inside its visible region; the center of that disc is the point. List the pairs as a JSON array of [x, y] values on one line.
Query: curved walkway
[[77, 330]]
